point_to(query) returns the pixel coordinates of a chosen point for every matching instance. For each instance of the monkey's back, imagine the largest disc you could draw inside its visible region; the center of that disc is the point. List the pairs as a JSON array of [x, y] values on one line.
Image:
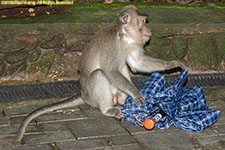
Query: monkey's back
[[100, 50]]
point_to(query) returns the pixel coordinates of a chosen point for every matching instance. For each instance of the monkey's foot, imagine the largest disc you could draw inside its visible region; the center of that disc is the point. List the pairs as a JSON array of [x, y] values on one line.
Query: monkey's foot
[[115, 112]]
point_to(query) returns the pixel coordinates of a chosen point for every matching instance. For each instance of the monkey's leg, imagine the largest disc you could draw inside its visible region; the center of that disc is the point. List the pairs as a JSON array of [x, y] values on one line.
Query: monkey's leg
[[121, 97], [71, 102], [100, 91]]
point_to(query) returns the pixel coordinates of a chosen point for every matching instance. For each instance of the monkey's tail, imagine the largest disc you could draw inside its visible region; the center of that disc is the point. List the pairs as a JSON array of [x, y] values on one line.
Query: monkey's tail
[[70, 102]]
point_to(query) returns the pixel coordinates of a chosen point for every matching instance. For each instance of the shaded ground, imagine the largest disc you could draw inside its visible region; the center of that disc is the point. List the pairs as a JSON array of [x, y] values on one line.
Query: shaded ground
[[86, 128]]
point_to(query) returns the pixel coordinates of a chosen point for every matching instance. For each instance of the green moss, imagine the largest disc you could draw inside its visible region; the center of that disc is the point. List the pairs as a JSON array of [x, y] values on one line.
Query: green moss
[[201, 51], [34, 55], [180, 46], [221, 46], [44, 63], [215, 94], [2, 67], [95, 12], [160, 41], [159, 51], [14, 68], [15, 57]]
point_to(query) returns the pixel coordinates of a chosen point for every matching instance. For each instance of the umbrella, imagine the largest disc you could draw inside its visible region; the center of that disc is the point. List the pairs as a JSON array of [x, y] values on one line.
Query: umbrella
[[185, 108]]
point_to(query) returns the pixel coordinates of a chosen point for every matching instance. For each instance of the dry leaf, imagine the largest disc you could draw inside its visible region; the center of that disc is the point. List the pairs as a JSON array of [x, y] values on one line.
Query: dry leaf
[[31, 10]]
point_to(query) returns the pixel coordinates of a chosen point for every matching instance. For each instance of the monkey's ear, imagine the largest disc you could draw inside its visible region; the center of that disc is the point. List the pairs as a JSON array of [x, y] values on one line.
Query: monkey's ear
[[124, 18]]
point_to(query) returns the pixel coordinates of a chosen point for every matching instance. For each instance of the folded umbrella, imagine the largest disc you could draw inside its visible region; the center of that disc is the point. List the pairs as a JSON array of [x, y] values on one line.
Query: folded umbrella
[[185, 108]]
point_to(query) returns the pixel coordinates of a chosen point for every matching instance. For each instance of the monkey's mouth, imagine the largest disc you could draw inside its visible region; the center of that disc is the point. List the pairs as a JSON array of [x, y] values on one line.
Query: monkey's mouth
[[147, 37]]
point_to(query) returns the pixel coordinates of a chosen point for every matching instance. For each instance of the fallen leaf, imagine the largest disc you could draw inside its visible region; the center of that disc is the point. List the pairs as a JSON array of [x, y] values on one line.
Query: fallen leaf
[[3, 16], [32, 14], [31, 10]]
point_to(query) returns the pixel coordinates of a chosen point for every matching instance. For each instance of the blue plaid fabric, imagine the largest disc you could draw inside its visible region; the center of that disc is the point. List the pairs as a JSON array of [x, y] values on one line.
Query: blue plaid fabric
[[185, 108]]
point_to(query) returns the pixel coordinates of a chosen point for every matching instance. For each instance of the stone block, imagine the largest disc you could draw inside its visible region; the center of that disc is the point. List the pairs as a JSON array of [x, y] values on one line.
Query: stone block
[[222, 114], [220, 129], [180, 47], [34, 55], [122, 140], [3, 120], [27, 147], [98, 127], [11, 130], [55, 117], [92, 112], [162, 52], [82, 144], [206, 133], [212, 141], [55, 126], [20, 111], [169, 140], [14, 68], [220, 41], [135, 129], [127, 147], [200, 52], [162, 41], [15, 57], [2, 67], [49, 137], [43, 64]]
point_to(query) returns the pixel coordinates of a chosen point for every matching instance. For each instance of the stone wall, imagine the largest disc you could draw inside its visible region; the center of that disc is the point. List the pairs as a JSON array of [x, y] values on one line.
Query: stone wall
[[52, 51]]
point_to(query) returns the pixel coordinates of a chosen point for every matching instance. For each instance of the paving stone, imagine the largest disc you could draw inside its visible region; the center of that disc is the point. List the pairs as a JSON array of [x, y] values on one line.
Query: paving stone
[[9, 130], [170, 140], [128, 147], [123, 140], [135, 129], [3, 120], [5, 141], [18, 120], [220, 129], [56, 126], [215, 103], [93, 112], [82, 144], [49, 137], [206, 133], [212, 141], [96, 127], [222, 116], [20, 110], [53, 117], [27, 147]]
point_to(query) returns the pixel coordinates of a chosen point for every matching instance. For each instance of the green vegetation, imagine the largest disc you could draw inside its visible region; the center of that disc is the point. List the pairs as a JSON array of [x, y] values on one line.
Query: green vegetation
[[94, 12]]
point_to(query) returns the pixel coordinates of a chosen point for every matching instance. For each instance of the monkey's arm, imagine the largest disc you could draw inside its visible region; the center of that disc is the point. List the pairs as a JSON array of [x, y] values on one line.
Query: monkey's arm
[[139, 62]]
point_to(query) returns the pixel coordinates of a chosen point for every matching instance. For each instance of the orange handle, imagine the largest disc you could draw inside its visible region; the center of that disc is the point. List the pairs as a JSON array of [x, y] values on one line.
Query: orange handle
[[149, 123]]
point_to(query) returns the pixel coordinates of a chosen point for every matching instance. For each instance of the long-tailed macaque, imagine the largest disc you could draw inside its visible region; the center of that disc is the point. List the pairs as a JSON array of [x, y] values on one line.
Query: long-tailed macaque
[[104, 73]]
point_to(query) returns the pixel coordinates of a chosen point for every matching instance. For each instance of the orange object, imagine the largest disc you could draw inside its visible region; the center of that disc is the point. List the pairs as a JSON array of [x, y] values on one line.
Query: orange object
[[149, 123]]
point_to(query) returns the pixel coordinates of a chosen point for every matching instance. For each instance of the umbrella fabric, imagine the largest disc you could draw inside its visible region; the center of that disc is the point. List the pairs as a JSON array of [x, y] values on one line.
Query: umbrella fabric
[[185, 108]]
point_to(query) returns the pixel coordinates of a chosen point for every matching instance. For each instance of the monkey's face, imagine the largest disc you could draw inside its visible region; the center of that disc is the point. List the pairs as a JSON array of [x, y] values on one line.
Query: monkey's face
[[134, 27]]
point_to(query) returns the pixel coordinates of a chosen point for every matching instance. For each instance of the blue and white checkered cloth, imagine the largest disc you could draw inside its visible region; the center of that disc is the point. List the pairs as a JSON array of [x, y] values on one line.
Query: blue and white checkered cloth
[[185, 108]]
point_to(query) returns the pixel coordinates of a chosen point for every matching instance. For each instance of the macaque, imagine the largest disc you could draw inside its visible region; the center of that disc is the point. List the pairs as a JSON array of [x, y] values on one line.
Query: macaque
[[104, 67]]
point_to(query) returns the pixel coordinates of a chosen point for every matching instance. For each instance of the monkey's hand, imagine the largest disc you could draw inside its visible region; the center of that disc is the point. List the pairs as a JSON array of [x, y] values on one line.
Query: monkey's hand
[[174, 64], [139, 100]]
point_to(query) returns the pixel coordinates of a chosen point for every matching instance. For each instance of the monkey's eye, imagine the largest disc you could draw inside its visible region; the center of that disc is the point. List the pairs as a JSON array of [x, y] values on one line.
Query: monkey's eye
[[145, 21]]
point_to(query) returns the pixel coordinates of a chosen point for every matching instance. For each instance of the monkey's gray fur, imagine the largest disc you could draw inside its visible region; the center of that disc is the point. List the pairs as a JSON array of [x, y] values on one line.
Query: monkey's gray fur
[[104, 73]]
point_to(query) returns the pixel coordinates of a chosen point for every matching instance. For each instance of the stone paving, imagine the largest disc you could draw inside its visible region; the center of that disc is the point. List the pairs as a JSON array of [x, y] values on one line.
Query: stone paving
[[86, 128]]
